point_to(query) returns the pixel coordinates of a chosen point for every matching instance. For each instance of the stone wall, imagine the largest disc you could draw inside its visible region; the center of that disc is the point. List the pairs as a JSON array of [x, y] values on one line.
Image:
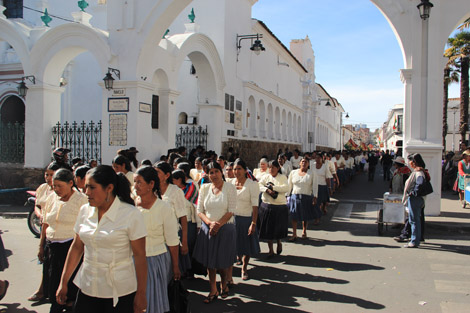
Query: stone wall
[[251, 151], [16, 176]]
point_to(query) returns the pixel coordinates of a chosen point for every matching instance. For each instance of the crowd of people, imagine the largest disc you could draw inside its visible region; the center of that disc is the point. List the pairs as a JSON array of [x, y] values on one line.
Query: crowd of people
[[113, 237]]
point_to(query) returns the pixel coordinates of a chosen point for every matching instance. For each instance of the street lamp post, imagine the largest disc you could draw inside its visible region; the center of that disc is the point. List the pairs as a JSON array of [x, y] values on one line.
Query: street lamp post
[[341, 130], [454, 110]]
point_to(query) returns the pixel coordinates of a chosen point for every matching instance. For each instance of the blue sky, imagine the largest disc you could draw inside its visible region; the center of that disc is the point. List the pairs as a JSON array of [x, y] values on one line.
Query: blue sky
[[357, 56]]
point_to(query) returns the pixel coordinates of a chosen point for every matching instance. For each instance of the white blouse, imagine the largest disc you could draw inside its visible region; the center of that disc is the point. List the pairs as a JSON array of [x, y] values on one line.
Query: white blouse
[[247, 198], [281, 185], [42, 193], [216, 206], [196, 174], [174, 196], [295, 162], [303, 185], [323, 173], [162, 228], [349, 163], [260, 174], [130, 177], [108, 270], [331, 166], [60, 216]]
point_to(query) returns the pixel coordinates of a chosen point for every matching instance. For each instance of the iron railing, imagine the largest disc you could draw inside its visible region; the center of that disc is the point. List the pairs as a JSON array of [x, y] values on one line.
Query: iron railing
[[191, 137], [83, 140], [12, 142]]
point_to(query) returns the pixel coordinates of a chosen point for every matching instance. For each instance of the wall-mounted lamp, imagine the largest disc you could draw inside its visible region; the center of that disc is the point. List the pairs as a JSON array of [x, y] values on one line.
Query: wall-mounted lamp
[[328, 104], [22, 89], [425, 9], [256, 46], [109, 80]]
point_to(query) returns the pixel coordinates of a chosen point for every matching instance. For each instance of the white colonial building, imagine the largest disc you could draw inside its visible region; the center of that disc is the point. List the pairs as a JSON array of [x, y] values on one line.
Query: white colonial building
[[199, 73], [392, 135]]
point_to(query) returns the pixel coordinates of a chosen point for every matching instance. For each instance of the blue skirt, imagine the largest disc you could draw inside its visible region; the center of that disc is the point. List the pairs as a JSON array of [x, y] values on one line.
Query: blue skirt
[[323, 194], [246, 245], [158, 277], [219, 251], [301, 208], [273, 221]]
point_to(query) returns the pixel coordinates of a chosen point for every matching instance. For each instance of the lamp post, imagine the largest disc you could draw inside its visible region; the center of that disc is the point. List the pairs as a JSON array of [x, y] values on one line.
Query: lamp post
[[454, 110], [346, 115], [424, 12]]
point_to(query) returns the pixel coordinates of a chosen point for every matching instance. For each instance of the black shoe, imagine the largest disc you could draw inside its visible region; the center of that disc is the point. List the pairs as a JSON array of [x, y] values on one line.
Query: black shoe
[[400, 239]]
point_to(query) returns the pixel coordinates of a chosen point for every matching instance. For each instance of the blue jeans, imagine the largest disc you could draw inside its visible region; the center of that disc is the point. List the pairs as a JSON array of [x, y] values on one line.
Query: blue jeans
[[415, 204]]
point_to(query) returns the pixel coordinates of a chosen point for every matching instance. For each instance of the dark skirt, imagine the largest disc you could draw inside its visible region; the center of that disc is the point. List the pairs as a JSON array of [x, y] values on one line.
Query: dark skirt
[[273, 221], [301, 208], [219, 251], [3, 256], [246, 245], [158, 277], [184, 260], [323, 194]]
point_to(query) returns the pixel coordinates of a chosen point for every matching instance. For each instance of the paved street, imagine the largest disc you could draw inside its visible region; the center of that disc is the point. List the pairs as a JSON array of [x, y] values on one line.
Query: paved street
[[344, 266]]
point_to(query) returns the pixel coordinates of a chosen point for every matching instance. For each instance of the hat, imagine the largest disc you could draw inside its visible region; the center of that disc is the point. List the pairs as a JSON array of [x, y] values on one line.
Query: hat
[[400, 160], [466, 152], [132, 150]]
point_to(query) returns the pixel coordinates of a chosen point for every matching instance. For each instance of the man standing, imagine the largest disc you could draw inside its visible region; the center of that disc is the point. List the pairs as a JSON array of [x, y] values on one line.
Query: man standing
[[386, 162]]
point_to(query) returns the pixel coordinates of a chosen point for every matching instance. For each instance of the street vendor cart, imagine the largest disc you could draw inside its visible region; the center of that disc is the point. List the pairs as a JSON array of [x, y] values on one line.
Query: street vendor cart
[[392, 211]]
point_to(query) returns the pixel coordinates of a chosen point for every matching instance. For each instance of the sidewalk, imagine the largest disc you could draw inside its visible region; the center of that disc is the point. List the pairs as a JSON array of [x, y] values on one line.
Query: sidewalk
[[453, 217]]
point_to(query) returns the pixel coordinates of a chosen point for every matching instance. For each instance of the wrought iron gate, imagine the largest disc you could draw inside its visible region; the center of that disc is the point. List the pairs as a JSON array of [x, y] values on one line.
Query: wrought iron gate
[[83, 140], [191, 137], [12, 142]]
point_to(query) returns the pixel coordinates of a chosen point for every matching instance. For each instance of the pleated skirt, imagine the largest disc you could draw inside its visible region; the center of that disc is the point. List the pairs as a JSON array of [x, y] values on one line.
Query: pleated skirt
[[246, 245], [219, 251], [301, 208], [158, 277], [323, 194], [273, 221]]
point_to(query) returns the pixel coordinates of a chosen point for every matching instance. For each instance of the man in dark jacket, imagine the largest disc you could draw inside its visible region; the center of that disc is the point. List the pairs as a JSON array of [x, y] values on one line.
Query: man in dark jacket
[[372, 164], [386, 161]]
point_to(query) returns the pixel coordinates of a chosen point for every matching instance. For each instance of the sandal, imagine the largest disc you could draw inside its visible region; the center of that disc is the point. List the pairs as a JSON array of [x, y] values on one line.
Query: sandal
[[36, 297], [245, 276], [304, 236], [211, 298], [224, 293], [230, 284], [292, 239]]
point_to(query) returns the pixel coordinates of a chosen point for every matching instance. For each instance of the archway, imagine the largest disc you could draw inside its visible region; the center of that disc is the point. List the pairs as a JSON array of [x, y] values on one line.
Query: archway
[[252, 116], [12, 117], [262, 119]]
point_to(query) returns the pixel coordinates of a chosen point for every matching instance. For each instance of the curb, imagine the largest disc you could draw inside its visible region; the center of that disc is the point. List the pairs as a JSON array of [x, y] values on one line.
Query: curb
[[14, 214], [452, 229]]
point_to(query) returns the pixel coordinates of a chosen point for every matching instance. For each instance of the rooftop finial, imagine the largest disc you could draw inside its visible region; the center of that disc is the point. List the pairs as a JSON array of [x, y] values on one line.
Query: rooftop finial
[[192, 16], [82, 4], [46, 19]]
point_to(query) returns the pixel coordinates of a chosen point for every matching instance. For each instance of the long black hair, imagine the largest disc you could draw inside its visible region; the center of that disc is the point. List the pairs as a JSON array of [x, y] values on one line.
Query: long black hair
[[166, 169], [418, 159], [149, 174], [242, 164], [81, 171], [105, 176], [64, 175], [120, 159]]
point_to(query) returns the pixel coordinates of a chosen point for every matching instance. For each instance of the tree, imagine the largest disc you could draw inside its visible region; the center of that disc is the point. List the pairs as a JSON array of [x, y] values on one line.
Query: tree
[[451, 75], [459, 52]]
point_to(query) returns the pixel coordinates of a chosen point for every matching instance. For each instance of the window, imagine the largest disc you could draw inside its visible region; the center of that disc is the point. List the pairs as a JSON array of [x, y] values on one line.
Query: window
[[14, 8], [183, 118]]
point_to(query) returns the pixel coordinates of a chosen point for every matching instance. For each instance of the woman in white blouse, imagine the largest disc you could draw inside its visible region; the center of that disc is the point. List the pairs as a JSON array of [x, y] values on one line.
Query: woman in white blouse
[[60, 213], [246, 215], [162, 231], [121, 164], [273, 213], [262, 170], [110, 235], [324, 177], [303, 192], [216, 242], [175, 198]]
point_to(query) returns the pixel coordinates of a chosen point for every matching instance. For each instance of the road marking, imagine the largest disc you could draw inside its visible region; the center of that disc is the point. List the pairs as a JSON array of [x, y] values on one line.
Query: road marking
[[343, 210], [451, 286], [450, 269]]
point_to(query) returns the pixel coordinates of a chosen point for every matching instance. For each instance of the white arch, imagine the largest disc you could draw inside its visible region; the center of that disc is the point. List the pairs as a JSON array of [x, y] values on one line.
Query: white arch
[[270, 121], [187, 44], [262, 119], [277, 125], [58, 46], [284, 125], [289, 126], [18, 40], [251, 123]]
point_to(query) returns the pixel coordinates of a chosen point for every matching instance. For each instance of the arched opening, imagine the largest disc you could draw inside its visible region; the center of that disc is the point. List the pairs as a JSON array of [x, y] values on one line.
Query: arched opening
[[12, 117], [182, 118], [284, 125], [252, 116], [262, 119], [289, 126]]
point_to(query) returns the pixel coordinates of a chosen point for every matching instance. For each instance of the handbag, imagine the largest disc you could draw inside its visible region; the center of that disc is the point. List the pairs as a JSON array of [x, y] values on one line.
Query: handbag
[[178, 297], [424, 189]]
